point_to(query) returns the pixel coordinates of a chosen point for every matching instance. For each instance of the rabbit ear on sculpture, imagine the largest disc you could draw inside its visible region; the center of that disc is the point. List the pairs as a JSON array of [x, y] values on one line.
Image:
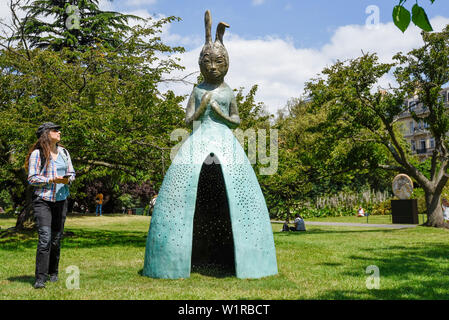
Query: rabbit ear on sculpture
[[208, 27], [216, 46], [220, 31]]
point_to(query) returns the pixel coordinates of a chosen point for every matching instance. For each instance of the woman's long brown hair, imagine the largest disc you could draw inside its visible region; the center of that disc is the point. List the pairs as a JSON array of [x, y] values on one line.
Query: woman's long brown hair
[[44, 146]]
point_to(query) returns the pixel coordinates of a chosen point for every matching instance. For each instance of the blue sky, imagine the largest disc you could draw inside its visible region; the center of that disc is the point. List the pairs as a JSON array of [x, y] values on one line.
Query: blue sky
[[309, 23], [281, 44]]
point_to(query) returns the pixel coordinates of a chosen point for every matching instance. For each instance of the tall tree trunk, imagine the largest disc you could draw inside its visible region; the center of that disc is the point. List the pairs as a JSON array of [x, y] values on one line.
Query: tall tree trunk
[[434, 210], [25, 220]]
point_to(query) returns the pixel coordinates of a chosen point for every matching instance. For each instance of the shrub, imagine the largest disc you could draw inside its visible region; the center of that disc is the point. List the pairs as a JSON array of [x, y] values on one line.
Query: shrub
[[344, 203]]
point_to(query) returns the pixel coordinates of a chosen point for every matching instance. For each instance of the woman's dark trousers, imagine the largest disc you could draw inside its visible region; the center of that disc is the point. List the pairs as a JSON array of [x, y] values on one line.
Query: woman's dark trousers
[[50, 219]]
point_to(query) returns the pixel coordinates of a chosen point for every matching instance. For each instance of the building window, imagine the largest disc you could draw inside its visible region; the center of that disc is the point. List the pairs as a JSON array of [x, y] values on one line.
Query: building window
[[413, 145], [420, 126], [444, 97], [432, 143], [422, 144], [412, 105], [412, 127]]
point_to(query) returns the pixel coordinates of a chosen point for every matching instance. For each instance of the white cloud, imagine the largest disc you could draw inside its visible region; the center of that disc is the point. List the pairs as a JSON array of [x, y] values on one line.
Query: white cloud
[[257, 2], [138, 3], [106, 5], [281, 70]]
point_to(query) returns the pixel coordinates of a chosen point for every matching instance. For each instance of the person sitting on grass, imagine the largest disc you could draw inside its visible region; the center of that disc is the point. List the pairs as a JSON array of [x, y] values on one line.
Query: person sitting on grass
[[299, 224], [360, 212]]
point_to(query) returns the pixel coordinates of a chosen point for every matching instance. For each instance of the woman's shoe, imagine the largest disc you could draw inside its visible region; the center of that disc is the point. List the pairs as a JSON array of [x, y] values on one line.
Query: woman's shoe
[[53, 278], [39, 284]]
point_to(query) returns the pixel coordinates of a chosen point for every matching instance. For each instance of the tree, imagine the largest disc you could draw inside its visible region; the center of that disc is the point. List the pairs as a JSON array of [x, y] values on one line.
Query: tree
[[115, 120], [359, 110], [80, 24], [309, 168]]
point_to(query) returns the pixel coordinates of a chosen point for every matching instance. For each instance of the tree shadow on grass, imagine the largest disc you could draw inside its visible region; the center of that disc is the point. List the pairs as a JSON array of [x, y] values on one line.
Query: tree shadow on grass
[[79, 238], [104, 238], [104, 215], [420, 273], [4, 216], [331, 231], [23, 279], [208, 270]]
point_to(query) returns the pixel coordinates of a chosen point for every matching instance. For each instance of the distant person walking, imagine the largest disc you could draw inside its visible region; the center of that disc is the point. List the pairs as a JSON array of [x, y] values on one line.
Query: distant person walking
[[445, 206], [50, 172], [99, 201], [152, 204]]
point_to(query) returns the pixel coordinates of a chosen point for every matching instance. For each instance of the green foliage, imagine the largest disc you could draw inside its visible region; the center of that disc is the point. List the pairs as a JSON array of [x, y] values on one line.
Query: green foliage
[[127, 201], [358, 111], [419, 18], [419, 194], [252, 114], [402, 16], [73, 24], [114, 118], [5, 199], [316, 160], [381, 208], [343, 203]]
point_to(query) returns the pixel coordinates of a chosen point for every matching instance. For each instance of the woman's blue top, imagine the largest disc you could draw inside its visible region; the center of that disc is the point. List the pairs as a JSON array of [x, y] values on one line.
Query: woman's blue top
[[62, 190]]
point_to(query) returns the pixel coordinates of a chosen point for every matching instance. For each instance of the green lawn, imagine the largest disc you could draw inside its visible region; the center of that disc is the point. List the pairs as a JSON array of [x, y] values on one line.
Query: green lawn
[[323, 263]]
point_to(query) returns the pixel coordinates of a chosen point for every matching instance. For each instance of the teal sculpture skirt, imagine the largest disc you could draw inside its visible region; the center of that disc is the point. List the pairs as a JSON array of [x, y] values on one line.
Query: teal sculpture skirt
[[192, 223]]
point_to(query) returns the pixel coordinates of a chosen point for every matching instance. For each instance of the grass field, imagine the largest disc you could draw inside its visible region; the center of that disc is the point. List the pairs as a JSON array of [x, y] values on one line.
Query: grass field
[[326, 262]]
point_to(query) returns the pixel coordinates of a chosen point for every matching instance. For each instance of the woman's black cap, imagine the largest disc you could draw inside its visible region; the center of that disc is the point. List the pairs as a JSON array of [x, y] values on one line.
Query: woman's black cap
[[46, 126]]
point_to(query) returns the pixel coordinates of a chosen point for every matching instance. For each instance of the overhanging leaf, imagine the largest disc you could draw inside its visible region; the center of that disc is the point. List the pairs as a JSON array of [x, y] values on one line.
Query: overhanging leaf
[[401, 17], [419, 18]]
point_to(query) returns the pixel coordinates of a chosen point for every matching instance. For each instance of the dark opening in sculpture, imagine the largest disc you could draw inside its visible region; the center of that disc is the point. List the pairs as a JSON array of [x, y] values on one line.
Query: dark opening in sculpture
[[213, 244]]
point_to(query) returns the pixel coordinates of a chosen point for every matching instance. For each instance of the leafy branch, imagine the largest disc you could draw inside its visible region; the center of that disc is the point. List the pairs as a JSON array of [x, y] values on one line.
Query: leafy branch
[[402, 17]]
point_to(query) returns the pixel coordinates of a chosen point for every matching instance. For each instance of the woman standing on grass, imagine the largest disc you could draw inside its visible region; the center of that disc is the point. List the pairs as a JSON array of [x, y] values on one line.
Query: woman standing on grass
[[50, 171]]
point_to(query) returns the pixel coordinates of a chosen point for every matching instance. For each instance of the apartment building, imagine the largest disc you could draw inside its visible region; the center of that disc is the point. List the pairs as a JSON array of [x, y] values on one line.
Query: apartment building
[[416, 133]]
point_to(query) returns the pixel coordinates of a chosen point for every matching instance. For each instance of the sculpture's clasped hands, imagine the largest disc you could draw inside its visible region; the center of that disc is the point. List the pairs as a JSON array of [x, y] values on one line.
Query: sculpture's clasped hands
[[231, 121], [216, 107], [204, 102], [207, 100]]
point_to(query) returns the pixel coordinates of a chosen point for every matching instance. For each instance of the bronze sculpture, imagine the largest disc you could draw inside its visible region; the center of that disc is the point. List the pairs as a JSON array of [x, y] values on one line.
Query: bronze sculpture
[[210, 209]]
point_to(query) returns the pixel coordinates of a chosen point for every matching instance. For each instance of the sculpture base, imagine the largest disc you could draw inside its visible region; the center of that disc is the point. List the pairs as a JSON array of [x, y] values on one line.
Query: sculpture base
[[405, 211]]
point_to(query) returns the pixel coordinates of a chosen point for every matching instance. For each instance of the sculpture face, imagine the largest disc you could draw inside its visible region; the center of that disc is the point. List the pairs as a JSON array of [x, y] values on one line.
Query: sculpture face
[[214, 66], [214, 61]]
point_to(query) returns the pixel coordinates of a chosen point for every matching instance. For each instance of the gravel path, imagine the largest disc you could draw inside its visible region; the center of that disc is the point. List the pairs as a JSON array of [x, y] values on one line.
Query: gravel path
[[348, 224]]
